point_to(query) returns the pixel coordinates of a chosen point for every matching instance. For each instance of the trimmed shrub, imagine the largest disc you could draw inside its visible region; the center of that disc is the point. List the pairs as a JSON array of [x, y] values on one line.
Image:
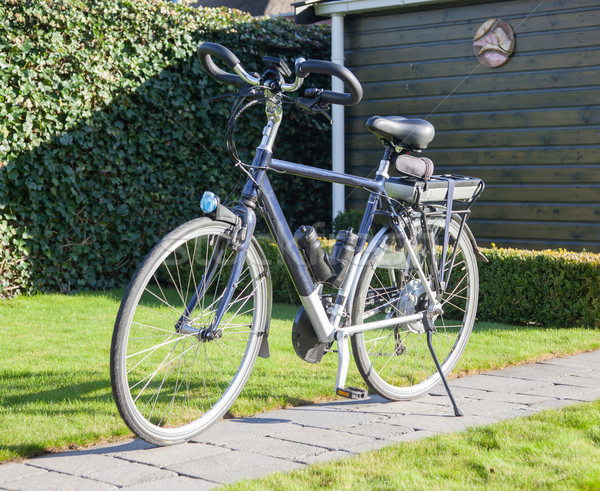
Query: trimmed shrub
[[549, 288], [349, 218], [108, 137]]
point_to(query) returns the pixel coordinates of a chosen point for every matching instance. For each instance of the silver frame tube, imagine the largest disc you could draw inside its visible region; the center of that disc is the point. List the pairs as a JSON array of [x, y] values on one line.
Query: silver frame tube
[[392, 321]]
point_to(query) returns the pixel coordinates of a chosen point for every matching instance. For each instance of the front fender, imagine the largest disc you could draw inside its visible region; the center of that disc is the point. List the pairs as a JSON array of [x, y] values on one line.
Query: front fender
[[478, 255], [264, 351]]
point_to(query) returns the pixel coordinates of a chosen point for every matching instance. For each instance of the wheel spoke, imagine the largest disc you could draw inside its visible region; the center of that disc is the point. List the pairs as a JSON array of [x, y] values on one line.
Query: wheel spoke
[[171, 385], [396, 362]]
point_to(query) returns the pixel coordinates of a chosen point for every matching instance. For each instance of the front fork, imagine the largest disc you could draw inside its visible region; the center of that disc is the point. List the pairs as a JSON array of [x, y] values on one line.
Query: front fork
[[248, 228], [243, 235]]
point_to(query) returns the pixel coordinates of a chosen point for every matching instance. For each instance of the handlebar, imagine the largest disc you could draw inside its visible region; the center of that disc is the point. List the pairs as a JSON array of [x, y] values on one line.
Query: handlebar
[[206, 50], [303, 69], [329, 68]]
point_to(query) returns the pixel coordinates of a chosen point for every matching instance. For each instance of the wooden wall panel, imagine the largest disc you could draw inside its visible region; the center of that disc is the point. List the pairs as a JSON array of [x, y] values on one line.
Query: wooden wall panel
[[530, 129]]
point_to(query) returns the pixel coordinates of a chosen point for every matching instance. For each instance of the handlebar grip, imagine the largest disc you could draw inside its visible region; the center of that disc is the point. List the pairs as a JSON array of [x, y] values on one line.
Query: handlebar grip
[[303, 69], [206, 50]]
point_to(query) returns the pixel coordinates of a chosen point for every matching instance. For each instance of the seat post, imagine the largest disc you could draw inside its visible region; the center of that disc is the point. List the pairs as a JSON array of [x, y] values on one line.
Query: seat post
[[384, 164]]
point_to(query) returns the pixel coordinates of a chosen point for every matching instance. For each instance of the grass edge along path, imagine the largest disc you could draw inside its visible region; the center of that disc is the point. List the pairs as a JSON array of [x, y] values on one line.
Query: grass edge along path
[[554, 449], [55, 387]]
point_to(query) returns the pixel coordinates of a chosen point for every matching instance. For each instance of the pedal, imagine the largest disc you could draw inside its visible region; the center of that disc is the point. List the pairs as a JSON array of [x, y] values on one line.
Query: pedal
[[352, 392]]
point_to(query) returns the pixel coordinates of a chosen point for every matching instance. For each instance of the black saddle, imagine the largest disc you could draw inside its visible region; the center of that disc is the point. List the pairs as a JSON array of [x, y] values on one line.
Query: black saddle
[[412, 133]]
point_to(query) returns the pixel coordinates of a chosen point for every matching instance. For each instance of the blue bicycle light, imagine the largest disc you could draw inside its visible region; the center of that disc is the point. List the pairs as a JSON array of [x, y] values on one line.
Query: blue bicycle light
[[209, 202]]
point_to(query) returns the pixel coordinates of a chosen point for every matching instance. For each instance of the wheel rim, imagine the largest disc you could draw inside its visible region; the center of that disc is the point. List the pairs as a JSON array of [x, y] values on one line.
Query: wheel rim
[[175, 382], [396, 362]]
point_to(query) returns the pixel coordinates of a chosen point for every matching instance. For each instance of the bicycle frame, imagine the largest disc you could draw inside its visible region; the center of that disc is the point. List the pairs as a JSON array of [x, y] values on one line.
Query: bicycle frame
[[259, 192], [300, 276], [196, 314]]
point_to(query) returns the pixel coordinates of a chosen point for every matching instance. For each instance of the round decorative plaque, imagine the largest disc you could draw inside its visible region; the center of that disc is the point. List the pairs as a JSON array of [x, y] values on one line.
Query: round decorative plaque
[[494, 43]]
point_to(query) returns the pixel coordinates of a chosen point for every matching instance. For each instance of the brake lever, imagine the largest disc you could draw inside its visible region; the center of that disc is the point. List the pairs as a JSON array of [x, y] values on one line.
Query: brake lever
[[324, 110], [314, 105]]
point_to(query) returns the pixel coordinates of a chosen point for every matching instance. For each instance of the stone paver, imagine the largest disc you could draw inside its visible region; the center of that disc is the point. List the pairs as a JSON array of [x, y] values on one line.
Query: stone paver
[[501, 382], [77, 465], [536, 372], [328, 456], [328, 439], [55, 480], [11, 471], [589, 360], [293, 438], [234, 430], [526, 399], [129, 474], [380, 430], [324, 416], [578, 381], [179, 483], [282, 449], [233, 466], [164, 456]]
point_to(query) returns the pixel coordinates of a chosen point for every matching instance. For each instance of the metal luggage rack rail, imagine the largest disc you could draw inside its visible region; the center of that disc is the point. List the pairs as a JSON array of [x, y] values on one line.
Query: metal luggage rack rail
[[466, 190]]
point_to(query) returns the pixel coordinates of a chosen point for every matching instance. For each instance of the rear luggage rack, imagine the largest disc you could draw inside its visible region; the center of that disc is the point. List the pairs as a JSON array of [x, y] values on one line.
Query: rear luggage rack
[[435, 189]]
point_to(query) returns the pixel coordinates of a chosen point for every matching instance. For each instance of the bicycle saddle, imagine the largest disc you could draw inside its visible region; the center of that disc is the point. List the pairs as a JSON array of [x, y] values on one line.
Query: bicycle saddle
[[413, 133]]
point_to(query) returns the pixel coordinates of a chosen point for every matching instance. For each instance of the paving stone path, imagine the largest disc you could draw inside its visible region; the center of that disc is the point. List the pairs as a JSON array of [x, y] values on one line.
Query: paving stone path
[[294, 438]]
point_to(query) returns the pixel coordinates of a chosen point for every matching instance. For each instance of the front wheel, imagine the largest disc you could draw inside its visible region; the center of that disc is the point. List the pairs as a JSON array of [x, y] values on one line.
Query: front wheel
[[395, 362], [170, 380]]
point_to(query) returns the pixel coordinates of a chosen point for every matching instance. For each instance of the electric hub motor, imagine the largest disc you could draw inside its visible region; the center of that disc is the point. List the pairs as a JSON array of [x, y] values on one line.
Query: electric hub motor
[[412, 300]]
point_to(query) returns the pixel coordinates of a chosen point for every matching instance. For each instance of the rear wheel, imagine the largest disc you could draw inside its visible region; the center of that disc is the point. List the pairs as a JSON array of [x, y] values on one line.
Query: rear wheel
[[395, 361], [170, 380]]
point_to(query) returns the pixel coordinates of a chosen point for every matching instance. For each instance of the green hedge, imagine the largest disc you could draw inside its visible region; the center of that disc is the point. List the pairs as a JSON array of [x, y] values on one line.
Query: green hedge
[[108, 138], [548, 288]]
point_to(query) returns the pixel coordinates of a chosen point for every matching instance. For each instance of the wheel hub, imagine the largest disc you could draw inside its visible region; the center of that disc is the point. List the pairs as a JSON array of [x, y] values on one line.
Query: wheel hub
[[205, 334], [413, 299]]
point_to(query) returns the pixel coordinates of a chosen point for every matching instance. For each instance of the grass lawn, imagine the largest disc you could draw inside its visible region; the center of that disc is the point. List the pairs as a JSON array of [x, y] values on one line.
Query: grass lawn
[[555, 449], [54, 358]]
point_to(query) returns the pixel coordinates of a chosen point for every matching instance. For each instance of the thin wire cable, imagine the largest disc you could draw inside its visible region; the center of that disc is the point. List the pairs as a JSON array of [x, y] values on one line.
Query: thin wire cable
[[478, 65], [239, 107]]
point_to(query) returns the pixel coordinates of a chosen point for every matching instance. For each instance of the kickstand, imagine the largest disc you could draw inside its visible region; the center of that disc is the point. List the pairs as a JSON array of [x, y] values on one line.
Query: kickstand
[[429, 330]]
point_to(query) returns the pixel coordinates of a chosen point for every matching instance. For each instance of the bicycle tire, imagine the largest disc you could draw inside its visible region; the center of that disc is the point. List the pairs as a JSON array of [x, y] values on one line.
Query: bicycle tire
[[395, 361], [168, 383]]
